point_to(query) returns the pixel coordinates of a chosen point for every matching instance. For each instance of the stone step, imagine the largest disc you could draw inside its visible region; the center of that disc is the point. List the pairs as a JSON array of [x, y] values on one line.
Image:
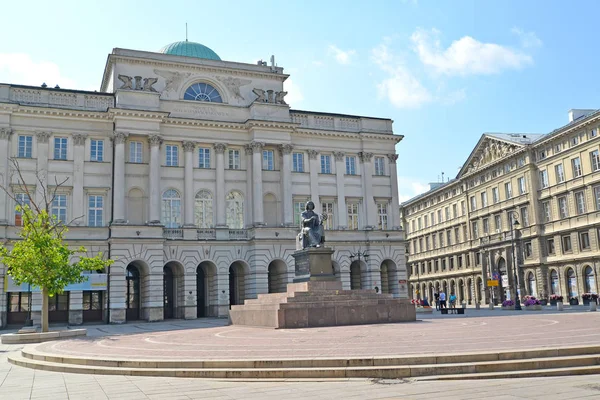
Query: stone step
[[481, 370]]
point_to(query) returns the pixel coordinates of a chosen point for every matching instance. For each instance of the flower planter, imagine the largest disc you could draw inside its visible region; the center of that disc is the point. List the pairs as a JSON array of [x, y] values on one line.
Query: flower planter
[[544, 302], [586, 302], [536, 307], [574, 302], [508, 307], [559, 305], [553, 302]]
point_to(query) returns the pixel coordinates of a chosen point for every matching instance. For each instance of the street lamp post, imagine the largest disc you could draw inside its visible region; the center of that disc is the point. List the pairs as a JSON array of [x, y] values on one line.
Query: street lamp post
[[358, 255], [513, 230]]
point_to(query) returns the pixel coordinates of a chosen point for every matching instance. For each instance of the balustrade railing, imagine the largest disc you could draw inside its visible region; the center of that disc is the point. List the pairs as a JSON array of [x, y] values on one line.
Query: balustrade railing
[[206, 234], [238, 234], [172, 233]]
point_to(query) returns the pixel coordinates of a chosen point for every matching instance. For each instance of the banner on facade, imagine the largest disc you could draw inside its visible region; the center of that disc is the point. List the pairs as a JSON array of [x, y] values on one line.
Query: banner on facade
[[93, 282], [492, 282]]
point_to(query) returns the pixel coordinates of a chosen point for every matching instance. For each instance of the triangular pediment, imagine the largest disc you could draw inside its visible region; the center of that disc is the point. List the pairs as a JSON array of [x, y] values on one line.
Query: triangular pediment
[[488, 150]]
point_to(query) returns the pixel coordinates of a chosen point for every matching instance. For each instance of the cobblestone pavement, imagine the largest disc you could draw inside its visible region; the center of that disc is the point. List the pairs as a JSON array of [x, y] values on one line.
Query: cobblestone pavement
[[489, 332]]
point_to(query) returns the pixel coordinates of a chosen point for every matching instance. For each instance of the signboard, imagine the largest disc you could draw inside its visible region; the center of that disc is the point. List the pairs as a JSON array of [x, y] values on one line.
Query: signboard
[[495, 276], [492, 282], [93, 282]]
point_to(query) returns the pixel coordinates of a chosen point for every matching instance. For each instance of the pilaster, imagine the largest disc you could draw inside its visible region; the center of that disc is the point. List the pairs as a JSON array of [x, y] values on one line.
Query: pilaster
[[79, 213], [341, 192], [154, 183], [188, 220], [313, 165], [119, 139], [257, 148], [220, 184], [286, 183], [5, 134]]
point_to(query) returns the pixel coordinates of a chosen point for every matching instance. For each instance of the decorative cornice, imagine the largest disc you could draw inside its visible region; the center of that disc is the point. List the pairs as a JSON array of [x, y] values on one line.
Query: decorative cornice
[[257, 147], [339, 155], [312, 154], [5, 133], [144, 114], [155, 140], [189, 146], [120, 137], [286, 148], [59, 112], [42, 137], [79, 139], [393, 158], [204, 123], [219, 148], [270, 125], [365, 157]]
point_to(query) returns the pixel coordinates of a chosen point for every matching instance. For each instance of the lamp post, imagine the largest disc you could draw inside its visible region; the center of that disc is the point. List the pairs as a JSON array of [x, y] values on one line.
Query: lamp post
[[513, 230], [358, 255]]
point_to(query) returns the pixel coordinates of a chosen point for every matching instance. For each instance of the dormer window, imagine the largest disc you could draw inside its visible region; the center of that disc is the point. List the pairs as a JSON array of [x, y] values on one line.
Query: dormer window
[[203, 92]]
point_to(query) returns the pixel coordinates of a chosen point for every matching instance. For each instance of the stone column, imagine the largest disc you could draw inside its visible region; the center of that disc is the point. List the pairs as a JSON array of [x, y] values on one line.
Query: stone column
[[188, 185], [42, 165], [154, 184], [367, 180], [219, 199], [257, 200], [249, 190], [4, 174], [119, 180], [79, 212], [286, 170], [395, 222], [341, 193], [314, 179]]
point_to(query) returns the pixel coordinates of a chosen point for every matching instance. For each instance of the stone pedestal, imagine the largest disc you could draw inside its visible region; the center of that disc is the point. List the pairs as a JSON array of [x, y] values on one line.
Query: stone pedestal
[[313, 264]]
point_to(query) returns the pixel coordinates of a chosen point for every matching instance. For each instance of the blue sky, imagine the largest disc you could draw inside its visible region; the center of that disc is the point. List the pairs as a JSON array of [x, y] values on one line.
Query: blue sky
[[445, 71]]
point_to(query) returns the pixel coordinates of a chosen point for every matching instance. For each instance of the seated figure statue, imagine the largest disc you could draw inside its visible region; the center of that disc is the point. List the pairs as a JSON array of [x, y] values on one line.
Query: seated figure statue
[[312, 232]]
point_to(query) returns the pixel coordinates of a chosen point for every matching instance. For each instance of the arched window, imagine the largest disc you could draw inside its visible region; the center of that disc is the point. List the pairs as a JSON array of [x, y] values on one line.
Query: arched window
[[235, 210], [531, 282], [171, 209], [590, 280], [203, 209], [202, 92], [554, 282], [571, 283]]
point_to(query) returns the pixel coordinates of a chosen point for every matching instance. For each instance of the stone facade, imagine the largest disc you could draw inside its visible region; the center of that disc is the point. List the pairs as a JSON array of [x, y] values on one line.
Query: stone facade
[[196, 200], [459, 234]]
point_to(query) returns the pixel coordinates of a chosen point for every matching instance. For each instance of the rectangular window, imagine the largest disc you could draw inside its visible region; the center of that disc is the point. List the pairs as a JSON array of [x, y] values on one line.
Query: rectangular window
[[352, 216], [298, 162], [234, 159], [465, 233], [528, 250], [426, 243], [483, 199], [97, 150], [521, 184], [25, 146], [525, 216], [560, 173], [456, 235], [434, 241], [574, 141], [447, 211], [550, 246], [59, 208], [380, 166], [298, 209], [463, 208], [327, 209], [563, 207], [576, 162], [267, 160], [325, 164], [475, 230], [595, 160], [566, 244], [497, 223], [204, 158], [547, 211], [486, 226], [580, 202], [444, 264], [508, 189], [584, 240], [22, 200], [60, 148], [95, 208], [451, 263], [350, 165], [135, 152], [426, 221], [460, 261], [593, 133], [455, 210], [473, 203], [495, 195], [544, 179], [382, 216], [172, 156], [441, 236], [597, 197], [419, 224], [439, 216], [449, 237]]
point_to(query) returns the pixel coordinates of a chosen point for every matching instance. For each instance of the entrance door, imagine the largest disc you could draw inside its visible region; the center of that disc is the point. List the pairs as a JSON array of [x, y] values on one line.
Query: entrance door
[[133, 294], [58, 308], [92, 306], [18, 308], [169, 300], [232, 287], [200, 293]]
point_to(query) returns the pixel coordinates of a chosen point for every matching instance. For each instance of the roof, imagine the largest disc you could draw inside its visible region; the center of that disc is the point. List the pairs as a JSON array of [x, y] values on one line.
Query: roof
[[190, 49], [427, 193]]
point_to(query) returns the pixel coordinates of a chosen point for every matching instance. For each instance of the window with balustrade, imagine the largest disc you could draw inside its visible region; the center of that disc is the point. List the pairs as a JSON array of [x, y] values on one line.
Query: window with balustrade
[[203, 209], [171, 209]]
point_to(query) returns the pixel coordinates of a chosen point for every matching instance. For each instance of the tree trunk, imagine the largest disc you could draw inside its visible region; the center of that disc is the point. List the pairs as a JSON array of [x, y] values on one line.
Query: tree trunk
[[44, 310]]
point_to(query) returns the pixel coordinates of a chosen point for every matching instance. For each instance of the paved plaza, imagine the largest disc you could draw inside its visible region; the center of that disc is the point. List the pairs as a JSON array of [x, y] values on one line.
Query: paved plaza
[[212, 338]]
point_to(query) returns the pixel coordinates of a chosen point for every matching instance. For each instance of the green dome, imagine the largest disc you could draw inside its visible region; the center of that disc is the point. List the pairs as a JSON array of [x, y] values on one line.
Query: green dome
[[190, 49]]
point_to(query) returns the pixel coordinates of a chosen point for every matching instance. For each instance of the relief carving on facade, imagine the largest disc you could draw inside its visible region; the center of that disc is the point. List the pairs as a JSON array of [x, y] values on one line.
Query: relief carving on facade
[[269, 96], [339, 155], [312, 154], [257, 147], [219, 148], [5, 133], [155, 140], [137, 83], [189, 146], [365, 157], [120, 137], [248, 150], [172, 79], [286, 148], [393, 158], [234, 84], [79, 139], [42, 137], [490, 152]]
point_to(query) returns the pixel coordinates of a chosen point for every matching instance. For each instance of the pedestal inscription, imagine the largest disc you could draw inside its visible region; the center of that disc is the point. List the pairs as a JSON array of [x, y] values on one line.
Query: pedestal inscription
[[314, 264]]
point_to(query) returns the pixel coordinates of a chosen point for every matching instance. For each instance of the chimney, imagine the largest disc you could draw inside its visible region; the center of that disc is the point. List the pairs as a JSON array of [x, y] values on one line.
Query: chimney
[[575, 114]]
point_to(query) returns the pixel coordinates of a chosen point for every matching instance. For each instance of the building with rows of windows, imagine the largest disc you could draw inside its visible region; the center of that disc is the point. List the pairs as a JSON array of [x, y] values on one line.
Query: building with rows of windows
[[541, 190], [191, 173]]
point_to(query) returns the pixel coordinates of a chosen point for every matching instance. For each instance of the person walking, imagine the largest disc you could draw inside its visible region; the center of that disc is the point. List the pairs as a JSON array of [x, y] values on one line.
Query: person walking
[[452, 300], [442, 300], [436, 295]]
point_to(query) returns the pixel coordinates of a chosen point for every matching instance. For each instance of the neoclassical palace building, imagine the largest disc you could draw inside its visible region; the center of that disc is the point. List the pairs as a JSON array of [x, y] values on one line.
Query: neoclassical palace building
[[520, 199], [191, 172]]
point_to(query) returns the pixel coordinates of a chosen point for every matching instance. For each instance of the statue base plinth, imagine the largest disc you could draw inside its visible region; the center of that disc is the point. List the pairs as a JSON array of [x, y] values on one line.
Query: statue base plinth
[[313, 264]]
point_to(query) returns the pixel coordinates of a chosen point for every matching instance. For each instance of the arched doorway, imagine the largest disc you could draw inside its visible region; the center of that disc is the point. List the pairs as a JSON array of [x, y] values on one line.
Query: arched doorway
[[237, 284], [206, 290], [502, 290], [461, 291], [445, 288], [590, 280], [554, 283], [133, 297], [168, 293], [430, 296], [571, 283], [277, 275], [200, 293], [355, 276], [480, 289], [531, 284], [469, 291]]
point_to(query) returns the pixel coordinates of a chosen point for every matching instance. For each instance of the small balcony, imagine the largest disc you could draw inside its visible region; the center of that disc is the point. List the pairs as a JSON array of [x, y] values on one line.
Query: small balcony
[[238, 234], [173, 233]]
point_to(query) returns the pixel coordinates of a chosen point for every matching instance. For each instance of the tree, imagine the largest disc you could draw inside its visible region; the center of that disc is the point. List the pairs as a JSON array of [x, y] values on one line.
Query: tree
[[41, 257]]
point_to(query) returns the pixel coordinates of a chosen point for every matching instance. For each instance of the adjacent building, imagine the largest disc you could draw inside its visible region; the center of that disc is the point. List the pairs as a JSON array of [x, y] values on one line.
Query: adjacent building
[[525, 200], [191, 172]]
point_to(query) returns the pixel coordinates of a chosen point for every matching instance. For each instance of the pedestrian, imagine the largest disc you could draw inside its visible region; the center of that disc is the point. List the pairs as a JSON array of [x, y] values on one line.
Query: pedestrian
[[442, 300], [436, 295], [452, 301]]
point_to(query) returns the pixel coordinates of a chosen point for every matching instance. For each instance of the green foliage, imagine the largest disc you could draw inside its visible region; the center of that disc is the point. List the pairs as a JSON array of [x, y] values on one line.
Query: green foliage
[[42, 258]]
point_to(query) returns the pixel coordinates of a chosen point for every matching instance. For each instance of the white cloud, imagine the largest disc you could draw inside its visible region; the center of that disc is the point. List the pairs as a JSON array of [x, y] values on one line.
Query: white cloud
[[294, 95], [342, 57], [317, 63], [528, 39], [23, 70], [466, 56], [409, 187]]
